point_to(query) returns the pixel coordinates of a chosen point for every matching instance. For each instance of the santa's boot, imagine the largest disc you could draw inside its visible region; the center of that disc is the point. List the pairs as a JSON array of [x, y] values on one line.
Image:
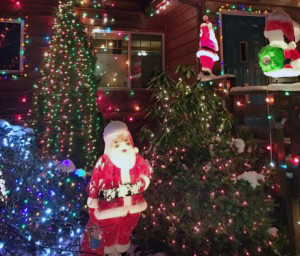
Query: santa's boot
[[94, 237]]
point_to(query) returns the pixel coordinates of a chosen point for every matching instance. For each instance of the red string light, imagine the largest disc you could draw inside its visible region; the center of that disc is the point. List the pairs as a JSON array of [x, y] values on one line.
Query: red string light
[[295, 160]]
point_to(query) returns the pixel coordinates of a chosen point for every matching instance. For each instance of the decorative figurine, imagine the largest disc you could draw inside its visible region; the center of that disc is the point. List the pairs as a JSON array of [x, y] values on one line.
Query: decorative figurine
[[115, 194], [208, 47], [283, 33]]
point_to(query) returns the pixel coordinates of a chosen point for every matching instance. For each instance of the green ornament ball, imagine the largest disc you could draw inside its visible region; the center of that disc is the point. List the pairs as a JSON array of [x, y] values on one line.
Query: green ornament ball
[[271, 58]]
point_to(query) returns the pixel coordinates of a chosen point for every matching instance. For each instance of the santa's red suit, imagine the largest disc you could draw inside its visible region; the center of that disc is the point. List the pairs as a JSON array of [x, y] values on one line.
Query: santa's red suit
[[208, 46], [116, 218]]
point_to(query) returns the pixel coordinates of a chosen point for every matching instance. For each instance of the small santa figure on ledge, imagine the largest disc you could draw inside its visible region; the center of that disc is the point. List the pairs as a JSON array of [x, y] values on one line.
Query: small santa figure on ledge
[[208, 47], [115, 194]]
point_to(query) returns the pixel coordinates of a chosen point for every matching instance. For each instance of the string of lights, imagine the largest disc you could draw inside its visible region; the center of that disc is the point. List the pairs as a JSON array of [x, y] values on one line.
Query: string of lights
[[211, 182], [66, 91], [41, 212], [21, 60]]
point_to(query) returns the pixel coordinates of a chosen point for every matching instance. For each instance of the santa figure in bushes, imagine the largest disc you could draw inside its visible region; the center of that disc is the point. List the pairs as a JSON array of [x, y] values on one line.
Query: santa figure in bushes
[[208, 48], [115, 194]]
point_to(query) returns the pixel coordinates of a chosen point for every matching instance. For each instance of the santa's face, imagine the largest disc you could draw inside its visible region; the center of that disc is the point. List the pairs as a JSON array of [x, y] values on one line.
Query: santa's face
[[122, 153], [121, 142]]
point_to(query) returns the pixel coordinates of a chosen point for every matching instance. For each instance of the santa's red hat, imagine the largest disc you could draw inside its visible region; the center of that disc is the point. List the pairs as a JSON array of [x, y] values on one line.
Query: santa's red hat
[[279, 23], [112, 130]]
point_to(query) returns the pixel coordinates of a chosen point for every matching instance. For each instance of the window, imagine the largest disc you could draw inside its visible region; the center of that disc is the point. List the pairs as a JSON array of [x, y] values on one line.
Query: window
[[111, 59], [126, 60], [11, 46], [146, 58]]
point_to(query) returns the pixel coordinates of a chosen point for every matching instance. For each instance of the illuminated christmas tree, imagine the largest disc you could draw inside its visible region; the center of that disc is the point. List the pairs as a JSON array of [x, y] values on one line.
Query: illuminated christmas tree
[[210, 194], [64, 101]]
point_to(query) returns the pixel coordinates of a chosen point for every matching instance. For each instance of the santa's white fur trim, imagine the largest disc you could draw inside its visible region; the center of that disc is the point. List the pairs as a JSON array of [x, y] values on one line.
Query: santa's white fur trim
[[127, 201], [292, 45], [120, 211], [147, 181], [276, 38], [111, 136], [122, 248], [295, 63], [92, 203], [125, 176], [212, 55], [296, 31], [284, 72], [276, 34], [206, 69], [109, 249], [99, 162]]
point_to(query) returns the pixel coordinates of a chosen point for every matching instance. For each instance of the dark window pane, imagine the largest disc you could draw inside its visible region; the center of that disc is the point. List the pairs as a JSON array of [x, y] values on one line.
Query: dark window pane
[[244, 51], [155, 45], [135, 45], [146, 45], [111, 59], [10, 46], [146, 59]]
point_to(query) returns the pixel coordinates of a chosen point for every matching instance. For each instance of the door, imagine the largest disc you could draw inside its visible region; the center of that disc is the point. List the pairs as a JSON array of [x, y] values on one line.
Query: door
[[243, 37]]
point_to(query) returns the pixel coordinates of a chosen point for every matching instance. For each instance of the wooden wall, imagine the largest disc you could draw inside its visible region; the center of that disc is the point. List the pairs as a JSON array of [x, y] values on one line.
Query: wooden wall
[[182, 36], [12, 91], [128, 16], [292, 7]]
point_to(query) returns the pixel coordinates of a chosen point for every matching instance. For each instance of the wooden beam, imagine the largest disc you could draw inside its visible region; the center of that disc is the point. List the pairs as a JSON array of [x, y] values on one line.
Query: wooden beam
[[278, 3], [152, 6], [192, 3]]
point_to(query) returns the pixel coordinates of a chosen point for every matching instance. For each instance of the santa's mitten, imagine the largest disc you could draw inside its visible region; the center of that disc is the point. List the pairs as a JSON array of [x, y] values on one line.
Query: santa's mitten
[[94, 235], [143, 183], [94, 243], [292, 45]]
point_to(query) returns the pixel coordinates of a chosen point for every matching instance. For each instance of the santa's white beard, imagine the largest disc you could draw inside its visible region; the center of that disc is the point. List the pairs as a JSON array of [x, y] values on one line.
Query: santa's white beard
[[123, 160]]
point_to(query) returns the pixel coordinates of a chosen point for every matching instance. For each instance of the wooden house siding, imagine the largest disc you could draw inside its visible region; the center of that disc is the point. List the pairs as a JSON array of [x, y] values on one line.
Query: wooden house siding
[[181, 39], [128, 17], [37, 15], [180, 26]]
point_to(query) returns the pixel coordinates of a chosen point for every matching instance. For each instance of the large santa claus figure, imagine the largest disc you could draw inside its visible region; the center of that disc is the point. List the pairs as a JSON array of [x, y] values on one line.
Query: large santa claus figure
[[115, 194]]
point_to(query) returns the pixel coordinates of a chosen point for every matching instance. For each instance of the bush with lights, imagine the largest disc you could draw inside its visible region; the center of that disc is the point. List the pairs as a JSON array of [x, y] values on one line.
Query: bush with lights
[[64, 102], [210, 193], [42, 202]]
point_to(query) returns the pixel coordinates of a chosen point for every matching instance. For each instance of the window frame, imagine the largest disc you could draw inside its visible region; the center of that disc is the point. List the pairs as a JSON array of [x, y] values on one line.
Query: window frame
[[21, 53], [129, 33]]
